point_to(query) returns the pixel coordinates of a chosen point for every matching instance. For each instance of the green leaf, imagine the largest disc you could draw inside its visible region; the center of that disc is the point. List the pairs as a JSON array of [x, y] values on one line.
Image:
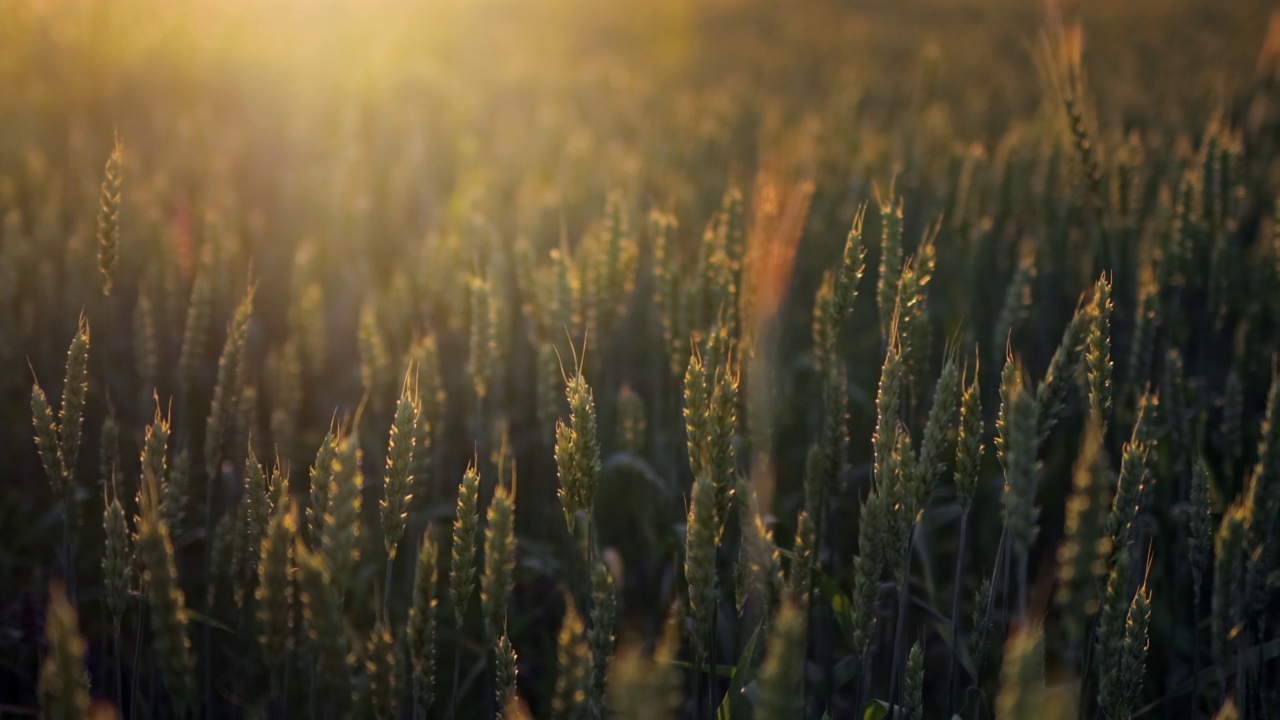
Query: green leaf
[[739, 678], [203, 619], [841, 606], [876, 710]]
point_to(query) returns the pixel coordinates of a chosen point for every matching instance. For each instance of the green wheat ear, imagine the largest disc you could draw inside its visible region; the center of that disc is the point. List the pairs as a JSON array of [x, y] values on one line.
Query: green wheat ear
[[913, 692], [647, 688], [1082, 557], [700, 561], [381, 695], [497, 582], [890, 261], [228, 386], [171, 641], [276, 587], [573, 668], [117, 553], [63, 687], [507, 673], [58, 441], [109, 216], [782, 671], [577, 453], [340, 536], [397, 483], [422, 624], [321, 614], [600, 637], [1022, 676], [1120, 691], [631, 421], [466, 527]]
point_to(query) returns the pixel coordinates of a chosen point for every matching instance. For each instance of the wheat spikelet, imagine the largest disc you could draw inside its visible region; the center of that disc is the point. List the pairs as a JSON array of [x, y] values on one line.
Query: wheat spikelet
[[63, 687], [668, 295], [697, 408], [1133, 483], [228, 387], [600, 637], [420, 630], [46, 434], [397, 483], [340, 535], [109, 216], [306, 322], [722, 419], [1017, 296], [800, 580], [462, 558], [1017, 444], [983, 622], [499, 562], [1230, 553], [375, 361], [482, 360], [914, 333], [888, 399], [425, 359], [145, 346], [321, 617], [824, 327], [782, 672], [759, 564], [573, 668], [1083, 554], [1109, 635], [276, 587], [890, 261], [257, 511], [969, 445], [381, 699], [171, 641], [75, 386], [700, 560], [577, 453], [322, 474], [108, 450], [852, 265], [506, 675], [828, 460], [1052, 391], [631, 421], [1022, 676], [913, 692], [117, 553], [1097, 354], [1119, 692], [641, 688], [284, 368], [195, 331], [941, 421], [1199, 525]]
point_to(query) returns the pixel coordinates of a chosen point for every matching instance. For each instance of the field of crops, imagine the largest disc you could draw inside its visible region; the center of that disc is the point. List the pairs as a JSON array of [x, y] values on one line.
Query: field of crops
[[642, 359]]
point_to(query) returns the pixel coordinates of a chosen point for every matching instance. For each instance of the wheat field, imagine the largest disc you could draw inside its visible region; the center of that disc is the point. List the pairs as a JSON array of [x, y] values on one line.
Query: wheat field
[[644, 360]]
